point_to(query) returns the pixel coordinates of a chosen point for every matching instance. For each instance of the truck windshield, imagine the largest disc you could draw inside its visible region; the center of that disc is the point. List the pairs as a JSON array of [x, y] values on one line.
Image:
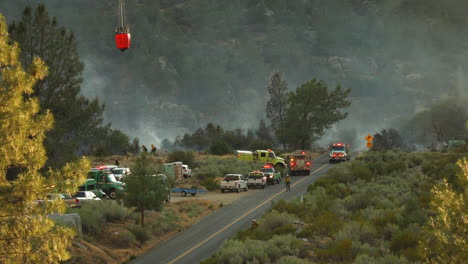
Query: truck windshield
[[231, 178], [267, 170], [117, 171], [338, 148], [111, 178]]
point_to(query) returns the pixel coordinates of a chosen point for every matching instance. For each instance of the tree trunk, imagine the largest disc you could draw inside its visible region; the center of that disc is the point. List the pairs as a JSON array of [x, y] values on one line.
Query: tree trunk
[[142, 217]]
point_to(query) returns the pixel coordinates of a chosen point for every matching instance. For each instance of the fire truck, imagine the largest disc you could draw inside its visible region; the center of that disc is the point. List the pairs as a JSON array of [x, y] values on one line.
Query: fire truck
[[299, 163], [265, 156], [339, 152]]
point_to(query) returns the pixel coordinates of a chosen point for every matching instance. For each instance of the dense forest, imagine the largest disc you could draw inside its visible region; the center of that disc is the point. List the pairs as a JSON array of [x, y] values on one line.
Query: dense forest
[[195, 62]]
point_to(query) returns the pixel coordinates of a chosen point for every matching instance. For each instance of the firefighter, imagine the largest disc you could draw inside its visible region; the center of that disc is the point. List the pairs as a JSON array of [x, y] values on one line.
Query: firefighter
[[287, 181], [254, 224], [117, 163], [144, 148], [153, 150]]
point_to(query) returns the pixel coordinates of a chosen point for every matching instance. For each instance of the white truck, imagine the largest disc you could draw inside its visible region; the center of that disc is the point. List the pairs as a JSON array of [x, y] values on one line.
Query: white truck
[[233, 182], [257, 178], [84, 196]]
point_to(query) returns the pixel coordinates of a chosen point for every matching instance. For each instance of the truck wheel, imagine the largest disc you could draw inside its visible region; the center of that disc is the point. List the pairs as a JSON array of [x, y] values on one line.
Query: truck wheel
[[183, 193], [222, 190], [246, 188], [193, 194], [112, 194]]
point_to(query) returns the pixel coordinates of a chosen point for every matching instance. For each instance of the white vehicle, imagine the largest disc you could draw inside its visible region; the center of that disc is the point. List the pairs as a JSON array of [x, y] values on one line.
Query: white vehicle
[[233, 182], [186, 172], [83, 196], [257, 178], [120, 173]]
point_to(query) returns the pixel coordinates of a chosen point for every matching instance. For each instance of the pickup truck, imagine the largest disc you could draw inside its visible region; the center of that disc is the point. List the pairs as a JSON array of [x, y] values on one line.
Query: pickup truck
[[233, 182], [53, 197], [272, 175], [257, 178], [84, 196]]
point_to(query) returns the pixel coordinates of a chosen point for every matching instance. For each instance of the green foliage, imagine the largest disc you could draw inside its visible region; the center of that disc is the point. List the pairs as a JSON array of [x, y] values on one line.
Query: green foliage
[[28, 235], [145, 191], [140, 233], [278, 103], [168, 221], [256, 251], [220, 147], [209, 184], [212, 167], [387, 140], [445, 235], [95, 214], [312, 108], [186, 157], [78, 121]]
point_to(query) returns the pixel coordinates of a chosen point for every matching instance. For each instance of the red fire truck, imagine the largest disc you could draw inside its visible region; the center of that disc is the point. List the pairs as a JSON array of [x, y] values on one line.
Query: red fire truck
[[299, 163]]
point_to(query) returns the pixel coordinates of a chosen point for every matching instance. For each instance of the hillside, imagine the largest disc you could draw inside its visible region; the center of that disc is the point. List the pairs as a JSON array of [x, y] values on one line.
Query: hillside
[[199, 61]]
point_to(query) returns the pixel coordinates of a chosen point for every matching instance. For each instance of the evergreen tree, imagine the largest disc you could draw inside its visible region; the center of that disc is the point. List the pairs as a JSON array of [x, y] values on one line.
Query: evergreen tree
[[27, 234], [145, 191], [277, 105], [77, 119], [312, 109]]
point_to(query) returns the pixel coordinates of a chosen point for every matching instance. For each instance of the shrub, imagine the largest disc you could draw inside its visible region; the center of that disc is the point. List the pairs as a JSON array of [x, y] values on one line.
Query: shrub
[[274, 219], [404, 240], [124, 239], [325, 224], [186, 157], [167, 222], [360, 171], [220, 147], [95, 214], [291, 260], [341, 250], [210, 184], [140, 233]]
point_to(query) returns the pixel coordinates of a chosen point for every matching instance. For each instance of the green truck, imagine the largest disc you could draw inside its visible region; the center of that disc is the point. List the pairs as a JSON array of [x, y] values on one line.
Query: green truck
[[266, 156], [106, 182], [273, 176], [90, 185]]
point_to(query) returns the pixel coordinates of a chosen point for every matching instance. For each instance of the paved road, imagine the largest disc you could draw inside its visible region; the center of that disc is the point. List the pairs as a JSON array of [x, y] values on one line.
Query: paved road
[[203, 239]]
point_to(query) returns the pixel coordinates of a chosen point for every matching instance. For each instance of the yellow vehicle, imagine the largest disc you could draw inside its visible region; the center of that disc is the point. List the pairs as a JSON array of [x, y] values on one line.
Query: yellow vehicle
[[266, 156]]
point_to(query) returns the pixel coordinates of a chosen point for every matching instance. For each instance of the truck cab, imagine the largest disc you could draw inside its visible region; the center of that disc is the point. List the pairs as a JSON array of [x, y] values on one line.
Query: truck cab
[[339, 152], [266, 156], [107, 182], [272, 175]]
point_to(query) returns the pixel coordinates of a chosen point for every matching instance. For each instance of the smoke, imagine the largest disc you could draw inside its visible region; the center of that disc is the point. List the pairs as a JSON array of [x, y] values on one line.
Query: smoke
[[196, 62]]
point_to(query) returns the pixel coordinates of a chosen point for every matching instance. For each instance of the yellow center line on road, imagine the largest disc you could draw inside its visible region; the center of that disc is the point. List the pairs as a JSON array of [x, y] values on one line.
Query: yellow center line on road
[[238, 219]]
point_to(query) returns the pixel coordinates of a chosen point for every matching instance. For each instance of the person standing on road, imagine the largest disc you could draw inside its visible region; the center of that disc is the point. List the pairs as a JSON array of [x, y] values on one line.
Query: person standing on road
[[287, 181]]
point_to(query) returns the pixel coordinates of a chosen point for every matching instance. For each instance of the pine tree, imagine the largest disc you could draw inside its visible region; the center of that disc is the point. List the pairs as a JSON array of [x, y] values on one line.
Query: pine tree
[[77, 118], [312, 109], [277, 105], [26, 234], [145, 191]]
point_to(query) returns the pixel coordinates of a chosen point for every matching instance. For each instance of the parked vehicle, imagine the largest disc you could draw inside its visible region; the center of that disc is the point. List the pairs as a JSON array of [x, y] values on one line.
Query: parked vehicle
[[272, 175], [120, 173], [339, 152], [90, 185], [186, 171], [234, 182], [266, 156], [84, 196], [52, 197], [107, 182], [105, 168], [184, 191], [300, 163], [173, 170], [258, 179]]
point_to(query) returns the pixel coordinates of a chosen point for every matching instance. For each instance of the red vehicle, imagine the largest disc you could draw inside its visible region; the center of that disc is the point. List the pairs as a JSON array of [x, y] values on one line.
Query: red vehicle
[[339, 152], [299, 163]]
